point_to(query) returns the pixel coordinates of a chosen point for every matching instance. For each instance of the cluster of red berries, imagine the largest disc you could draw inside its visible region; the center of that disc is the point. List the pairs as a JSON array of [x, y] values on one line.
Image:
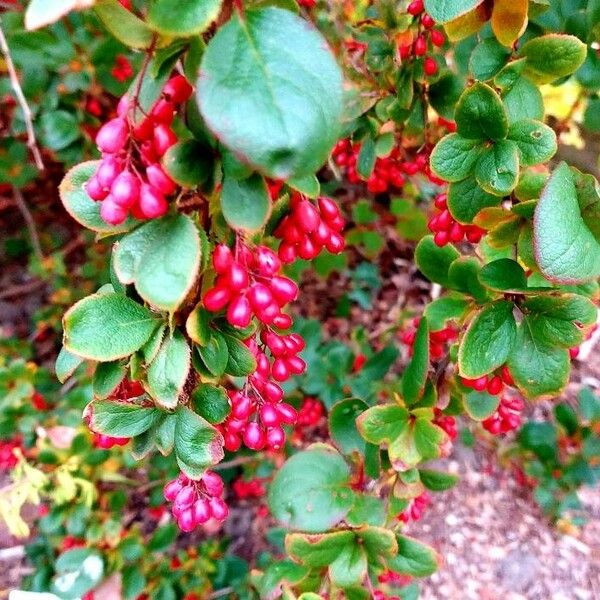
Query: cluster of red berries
[[8, 458], [306, 230], [130, 178], [437, 339], [106, 442], [507, 416], [420, 45], [493, 384], [195, 502], [70, 541], [416, 508], [250, 283], [393, 578], [445, 422], [446, 229], [310, 413], [253, 488], [257, 417], [389, 172]]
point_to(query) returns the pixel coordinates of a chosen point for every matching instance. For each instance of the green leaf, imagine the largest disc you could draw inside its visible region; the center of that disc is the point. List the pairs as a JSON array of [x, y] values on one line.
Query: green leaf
[[454, 157], [414, 558], [189, 163], [536, 141], [308, 185], [271, 92], [550, 57], [565, 249], [107, 377], [161, 258], [245, 203], [367, 510], [444, 309], [540, 438], [523, 101], [197, 325], [215, 354], [123, 24], [198, 445], [66, 363], [466, 198], [488, 340], [106, 327], [342, 425], [540, 370], [481, 405], [189, 18], [317, 551], [164, 435], [443, 11], [311, 492], [80, 206], [497, 170], [211, 402], [503, 274], [558, 320], [437, 481], [241, 361], [366, 158], [433, 261], [383, 423], [120, 419], [163, 537], [77, 572], [487, 59], [567, 417], [59, 129], [480, 114], [168, 372], [415, 374], [463, 276]]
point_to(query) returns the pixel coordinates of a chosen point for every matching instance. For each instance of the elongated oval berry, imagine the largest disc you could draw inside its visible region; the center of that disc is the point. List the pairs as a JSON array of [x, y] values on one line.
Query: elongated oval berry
[[268, 313], [282, 321], [123, 105], [108, 170], [231, 441], [307, 249], [222, 259], [280, 370], [307, 216], [185, 496], [329, 209], [269, 416], [163, 112], [298, 341], [287, 253], [420, 46], [152, 203], [236, 425], [275, 438], [143, 131], [217, 298], [171, 490], [160, 180], [237, 277], [284, 289], [242, 407], [267, 261], [177, 89], [336, 243], [218, 508], [276, 344], [95, 190], [186, 521], [125, 189], [296, 365], [239, 312], [201, 511], [272, 392], [287, 413], [213, 483], [321, 235], [112, 135], [164, 138], [260, 296], [111, 212], [254, 436]]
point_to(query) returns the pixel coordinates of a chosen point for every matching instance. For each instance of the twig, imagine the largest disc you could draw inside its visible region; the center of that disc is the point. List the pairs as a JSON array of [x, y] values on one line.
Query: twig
[[14, 80], [25, 288], [219, 593], [33, 234], [135, 101], [235, 462]]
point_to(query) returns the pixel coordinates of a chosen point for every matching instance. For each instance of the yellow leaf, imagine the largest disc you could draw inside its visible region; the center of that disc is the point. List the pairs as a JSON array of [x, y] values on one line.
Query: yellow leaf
[[467, 24], [509, 20]]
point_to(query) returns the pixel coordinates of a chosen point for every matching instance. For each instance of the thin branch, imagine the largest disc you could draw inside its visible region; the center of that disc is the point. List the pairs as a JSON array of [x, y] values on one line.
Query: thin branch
[[20, 290], [33, 234], [220, 593], [14, 80]]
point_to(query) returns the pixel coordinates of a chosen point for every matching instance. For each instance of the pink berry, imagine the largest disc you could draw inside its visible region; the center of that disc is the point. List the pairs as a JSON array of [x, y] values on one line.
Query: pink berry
[[171, 490], [177, 89], [275, 438], [253, 436], [217, 298], [218, 508], [213, 483], [125, 189], [164, 138], [112, 135], [94, 190], [239, 312], [222, 259], [111, 212], [201, 511], [160, 180], [152, 202]]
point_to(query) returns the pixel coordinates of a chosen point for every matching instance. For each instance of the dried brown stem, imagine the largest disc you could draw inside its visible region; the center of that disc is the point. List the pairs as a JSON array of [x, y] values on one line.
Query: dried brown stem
[[28, 217], [16, 85]]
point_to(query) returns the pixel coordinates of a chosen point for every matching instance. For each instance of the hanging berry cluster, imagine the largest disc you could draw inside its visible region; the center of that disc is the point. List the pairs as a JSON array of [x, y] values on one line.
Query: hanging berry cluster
[[8, 456], [196, 501], [428, 40], [507, 416], [130, 178], [446, 229], [416, 508], [308, 229], [390, 173], [493, 384]]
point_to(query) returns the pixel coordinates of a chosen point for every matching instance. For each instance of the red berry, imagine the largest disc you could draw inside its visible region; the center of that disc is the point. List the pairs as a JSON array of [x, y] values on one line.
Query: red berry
[[437, 38], [495, 385], [430, 66], [125, 189], [152, 203], [95, 190], [217, 298], [112, 135], [239, 312], [420, 47], [415, 8], [160, 180], [164, 138], [177, 89], [427, 21], [480, 383]]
